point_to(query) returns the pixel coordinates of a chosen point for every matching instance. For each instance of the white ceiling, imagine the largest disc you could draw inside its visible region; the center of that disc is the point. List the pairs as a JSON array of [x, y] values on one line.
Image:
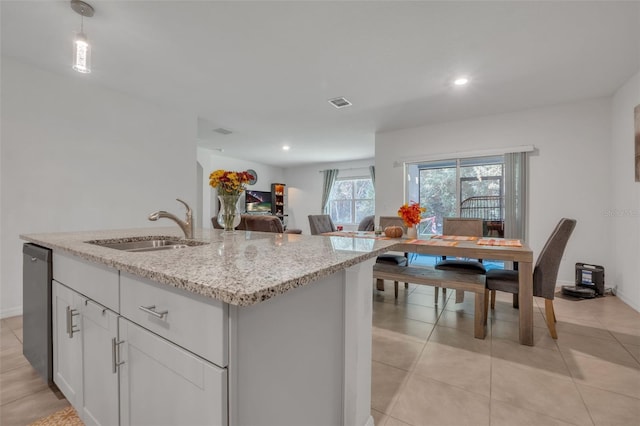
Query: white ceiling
[[265, 69]]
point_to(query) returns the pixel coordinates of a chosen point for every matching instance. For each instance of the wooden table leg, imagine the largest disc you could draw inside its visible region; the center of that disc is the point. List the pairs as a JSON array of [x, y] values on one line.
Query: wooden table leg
[[525, 277]]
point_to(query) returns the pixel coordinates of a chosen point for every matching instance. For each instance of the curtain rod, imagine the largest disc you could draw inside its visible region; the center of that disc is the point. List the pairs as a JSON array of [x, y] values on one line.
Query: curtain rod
[[462, 154], [350, 168]]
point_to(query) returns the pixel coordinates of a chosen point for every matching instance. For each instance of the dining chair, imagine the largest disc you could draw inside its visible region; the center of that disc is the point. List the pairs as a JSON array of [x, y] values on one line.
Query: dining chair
[[391, 258], [367, 223], [545, 273], [321, 223], [462, 227]]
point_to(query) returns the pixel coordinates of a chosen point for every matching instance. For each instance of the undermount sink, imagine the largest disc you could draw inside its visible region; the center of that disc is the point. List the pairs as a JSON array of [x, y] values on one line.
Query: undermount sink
[[138, 244]]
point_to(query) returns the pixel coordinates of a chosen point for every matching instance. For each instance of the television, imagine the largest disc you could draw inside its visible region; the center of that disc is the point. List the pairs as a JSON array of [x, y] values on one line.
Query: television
[[258, 201]]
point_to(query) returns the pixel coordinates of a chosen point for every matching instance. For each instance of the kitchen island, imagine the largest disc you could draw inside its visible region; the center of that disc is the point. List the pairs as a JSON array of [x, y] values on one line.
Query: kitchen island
[[249, 328]]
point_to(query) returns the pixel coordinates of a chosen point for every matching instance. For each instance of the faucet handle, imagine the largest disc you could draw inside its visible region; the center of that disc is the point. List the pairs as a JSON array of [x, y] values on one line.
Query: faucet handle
[[189, 225]]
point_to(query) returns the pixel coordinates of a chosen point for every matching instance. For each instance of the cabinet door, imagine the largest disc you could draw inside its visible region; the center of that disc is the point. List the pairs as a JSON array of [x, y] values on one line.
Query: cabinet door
[[163, 384], [99, 365], [67, 343]]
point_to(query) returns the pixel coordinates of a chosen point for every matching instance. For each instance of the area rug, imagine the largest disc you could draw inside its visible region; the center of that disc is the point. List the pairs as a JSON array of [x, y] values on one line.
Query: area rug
[[64, 417]]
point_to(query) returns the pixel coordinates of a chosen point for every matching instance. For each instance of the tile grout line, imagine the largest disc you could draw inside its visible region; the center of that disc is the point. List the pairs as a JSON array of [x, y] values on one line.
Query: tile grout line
[[403, 385]]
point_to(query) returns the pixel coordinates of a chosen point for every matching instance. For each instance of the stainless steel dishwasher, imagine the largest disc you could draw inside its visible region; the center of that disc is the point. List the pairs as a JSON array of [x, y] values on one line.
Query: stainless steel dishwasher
[[37, 344]]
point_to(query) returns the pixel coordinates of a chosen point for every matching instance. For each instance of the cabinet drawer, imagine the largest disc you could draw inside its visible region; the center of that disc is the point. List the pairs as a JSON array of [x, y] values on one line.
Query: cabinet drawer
[[194, 322], [96, 281]]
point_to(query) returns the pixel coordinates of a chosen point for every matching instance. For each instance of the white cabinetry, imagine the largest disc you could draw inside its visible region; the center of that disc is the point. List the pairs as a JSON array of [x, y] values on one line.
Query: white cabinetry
[[177, 316], [99, 372], [67, 342], [84, 333], [163, 384], [113, 371], [181, 359]]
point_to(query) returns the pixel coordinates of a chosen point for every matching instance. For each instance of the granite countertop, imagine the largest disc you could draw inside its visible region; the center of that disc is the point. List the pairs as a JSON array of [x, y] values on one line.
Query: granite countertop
[[240, 269]]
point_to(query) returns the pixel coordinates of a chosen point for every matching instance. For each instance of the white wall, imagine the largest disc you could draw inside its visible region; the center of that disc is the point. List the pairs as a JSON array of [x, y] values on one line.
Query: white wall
[[305, 188], [213, 160], [569, 174], [76, 156], [623, 213]]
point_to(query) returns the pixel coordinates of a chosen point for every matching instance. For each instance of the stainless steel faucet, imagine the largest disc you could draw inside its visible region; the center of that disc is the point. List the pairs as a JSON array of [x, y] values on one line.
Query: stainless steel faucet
[[186, 225]]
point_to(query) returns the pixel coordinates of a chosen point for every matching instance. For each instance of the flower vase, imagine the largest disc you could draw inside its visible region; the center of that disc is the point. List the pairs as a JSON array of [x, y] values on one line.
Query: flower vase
[[229, 214], [412, 232]]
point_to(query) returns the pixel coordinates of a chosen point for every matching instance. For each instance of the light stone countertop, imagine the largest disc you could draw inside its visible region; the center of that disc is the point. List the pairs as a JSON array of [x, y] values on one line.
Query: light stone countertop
[[240, 269]]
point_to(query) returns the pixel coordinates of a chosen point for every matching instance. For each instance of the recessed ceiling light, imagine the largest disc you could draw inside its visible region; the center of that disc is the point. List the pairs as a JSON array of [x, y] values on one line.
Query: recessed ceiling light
[[285, 147], [460, 81], [340, 102]]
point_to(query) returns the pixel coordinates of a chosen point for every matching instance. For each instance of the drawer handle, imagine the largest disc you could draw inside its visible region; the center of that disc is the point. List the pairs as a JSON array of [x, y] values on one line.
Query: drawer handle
[[151, 310], [71, 328]]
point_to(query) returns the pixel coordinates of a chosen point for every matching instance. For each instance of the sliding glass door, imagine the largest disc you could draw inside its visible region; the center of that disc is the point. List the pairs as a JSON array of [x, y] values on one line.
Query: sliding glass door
[[467, 187]]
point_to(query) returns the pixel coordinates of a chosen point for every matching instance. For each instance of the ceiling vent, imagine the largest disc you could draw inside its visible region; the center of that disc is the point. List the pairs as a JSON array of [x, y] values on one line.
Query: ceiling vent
[[339, 102], [222, 131]]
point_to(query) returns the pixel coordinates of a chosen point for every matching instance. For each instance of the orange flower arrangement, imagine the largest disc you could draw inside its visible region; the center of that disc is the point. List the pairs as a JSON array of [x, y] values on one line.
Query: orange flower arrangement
[[410, 213], [229, 183]]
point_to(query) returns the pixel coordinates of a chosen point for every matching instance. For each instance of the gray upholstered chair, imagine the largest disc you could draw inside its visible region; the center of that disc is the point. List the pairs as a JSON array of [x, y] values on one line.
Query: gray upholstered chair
[[263, 223], [390, 258], [545, 273], [367, 223], [460, 226], [321, 223]]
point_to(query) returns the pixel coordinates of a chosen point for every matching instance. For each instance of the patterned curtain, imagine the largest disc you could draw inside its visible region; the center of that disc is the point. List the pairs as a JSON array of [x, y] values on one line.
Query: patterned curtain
[[329, 178]]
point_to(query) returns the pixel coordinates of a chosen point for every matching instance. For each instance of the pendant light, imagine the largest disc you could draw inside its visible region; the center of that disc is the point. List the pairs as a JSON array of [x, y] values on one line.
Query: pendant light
[[81, 46]]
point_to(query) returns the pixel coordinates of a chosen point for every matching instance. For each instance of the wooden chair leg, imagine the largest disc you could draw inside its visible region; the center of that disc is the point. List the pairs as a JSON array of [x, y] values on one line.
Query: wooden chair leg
[[459, 296], [486, 305], [395, 288], [516, 301], [435, 299], [550, 316], [379, 284], [493, 299], [406, 285]]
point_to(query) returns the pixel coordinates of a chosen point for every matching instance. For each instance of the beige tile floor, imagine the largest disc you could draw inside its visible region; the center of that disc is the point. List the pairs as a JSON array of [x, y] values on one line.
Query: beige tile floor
[[428, 369], [24, 396]]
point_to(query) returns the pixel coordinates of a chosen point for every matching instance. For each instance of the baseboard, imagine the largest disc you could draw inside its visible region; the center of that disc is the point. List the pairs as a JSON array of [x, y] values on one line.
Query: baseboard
[[11, 312], [620, 295]]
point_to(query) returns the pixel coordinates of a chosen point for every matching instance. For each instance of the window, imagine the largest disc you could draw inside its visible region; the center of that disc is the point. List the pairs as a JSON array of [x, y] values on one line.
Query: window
[[467, 187], [351, 200]]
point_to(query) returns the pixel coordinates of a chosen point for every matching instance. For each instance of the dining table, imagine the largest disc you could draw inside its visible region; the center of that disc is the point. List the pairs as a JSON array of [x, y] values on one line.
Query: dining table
[[474, 248]]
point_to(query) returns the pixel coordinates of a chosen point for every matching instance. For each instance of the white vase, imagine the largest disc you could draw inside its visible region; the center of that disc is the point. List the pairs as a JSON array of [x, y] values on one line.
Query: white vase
[[412, 232]]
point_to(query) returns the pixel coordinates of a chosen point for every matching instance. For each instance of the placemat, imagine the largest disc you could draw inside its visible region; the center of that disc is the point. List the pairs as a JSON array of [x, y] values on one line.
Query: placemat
[[433, 243], [455, 237], [354, 234], [499, 242]]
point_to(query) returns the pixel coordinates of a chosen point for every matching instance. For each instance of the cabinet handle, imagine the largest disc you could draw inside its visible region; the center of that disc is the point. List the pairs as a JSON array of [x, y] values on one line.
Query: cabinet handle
[[34, 259], [151, 310], [70, 327], [115, 354]]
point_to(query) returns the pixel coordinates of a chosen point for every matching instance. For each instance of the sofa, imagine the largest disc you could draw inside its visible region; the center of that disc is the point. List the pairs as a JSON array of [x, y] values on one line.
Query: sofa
[[262, 223]]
